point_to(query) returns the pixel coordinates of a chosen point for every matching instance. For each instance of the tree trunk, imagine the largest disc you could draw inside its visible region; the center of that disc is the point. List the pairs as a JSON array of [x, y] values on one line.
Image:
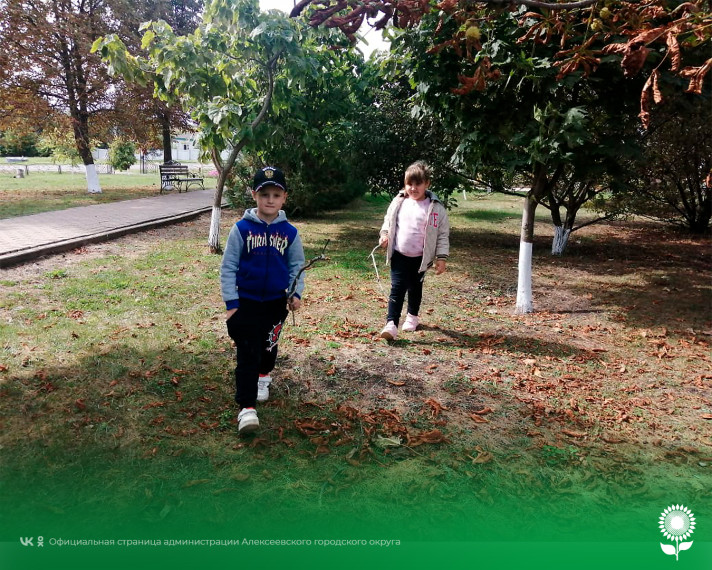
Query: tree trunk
[[214, 235], [540, 186], [561, 240], [81, 138], [525, 302], [165, 119]]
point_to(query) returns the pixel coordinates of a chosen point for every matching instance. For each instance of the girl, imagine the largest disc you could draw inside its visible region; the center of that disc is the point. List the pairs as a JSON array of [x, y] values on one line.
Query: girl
[[416, 233]]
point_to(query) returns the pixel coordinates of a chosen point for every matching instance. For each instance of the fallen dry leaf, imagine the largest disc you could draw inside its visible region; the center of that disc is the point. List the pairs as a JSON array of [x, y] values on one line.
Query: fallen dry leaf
[[482, 455], [195, 482], [478, 419], [573, 433], [433, 436], [436, 407]]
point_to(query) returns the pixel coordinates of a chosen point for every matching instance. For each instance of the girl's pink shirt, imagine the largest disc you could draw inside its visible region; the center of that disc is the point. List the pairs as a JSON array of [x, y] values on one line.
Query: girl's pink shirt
[[410, 227]]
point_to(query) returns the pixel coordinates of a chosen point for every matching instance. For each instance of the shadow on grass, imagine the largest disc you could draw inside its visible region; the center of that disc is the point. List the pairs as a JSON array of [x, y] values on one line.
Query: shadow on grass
[[673, 277], [490, 215], [525, 346], [141, 444], [136, 443]]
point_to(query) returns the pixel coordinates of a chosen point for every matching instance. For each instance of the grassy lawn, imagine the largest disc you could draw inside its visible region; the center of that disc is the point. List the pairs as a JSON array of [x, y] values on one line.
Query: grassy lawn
[[116, 390], [49, 191], [46, 191]]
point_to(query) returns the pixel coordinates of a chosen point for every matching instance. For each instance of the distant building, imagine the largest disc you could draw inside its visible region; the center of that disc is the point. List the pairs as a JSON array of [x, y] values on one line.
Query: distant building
[[185, 147]]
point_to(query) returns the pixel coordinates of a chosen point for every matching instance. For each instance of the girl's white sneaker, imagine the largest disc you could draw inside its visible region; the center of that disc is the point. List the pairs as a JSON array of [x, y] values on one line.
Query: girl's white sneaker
[[390, 331], [411, 323]]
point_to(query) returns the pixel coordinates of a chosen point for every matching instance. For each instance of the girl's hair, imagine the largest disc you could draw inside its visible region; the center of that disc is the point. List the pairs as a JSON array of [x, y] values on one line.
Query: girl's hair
[[418, 172]]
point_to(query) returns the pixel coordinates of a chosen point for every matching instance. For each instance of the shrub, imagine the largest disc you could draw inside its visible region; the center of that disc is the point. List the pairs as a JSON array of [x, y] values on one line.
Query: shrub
[[122, 154]]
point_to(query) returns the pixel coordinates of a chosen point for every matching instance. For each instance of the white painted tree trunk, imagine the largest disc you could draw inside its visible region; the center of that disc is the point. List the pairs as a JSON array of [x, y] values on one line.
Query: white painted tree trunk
[[524, 283], [561, 240], [214, 235], [93, 185]]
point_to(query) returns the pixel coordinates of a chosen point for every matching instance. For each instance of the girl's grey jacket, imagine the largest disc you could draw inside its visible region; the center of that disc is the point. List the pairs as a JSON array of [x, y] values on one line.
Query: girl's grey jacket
[[437, 230]]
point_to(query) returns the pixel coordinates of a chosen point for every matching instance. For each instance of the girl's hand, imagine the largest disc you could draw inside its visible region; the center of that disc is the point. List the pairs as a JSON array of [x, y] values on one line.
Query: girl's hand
[[383, 241], [440, 267], [294, 303], [230, 313]]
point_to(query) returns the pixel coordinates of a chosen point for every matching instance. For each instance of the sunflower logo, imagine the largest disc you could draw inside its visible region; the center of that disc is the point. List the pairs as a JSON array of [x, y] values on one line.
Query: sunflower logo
[[677, 523]]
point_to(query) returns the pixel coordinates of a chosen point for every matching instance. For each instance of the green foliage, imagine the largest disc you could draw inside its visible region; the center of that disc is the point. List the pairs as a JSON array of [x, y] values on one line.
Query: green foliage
[[558, 456], [239, 183], [122, 154], [392, 135], [228, 73], [313, 139], [524, 118], [59, 143], [672, 181], [13, 143]]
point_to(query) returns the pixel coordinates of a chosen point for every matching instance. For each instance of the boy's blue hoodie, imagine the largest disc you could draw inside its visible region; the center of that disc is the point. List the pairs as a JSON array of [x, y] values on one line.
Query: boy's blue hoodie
[[261, 260]]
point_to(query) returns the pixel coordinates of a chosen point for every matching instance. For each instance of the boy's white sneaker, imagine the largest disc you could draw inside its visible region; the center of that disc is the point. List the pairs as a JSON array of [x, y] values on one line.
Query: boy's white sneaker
[[390, 331], [411, 323], [263, 383], [247, 421]]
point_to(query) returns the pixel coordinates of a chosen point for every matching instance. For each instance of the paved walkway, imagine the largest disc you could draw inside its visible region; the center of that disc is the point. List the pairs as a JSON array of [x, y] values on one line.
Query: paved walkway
[[28, 237]]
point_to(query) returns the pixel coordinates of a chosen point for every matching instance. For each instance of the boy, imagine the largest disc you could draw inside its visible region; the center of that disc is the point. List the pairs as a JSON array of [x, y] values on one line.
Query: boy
[[262, 258]]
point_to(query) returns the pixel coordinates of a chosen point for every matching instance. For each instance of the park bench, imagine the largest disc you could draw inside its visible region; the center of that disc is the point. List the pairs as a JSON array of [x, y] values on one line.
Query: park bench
[[177, 175]]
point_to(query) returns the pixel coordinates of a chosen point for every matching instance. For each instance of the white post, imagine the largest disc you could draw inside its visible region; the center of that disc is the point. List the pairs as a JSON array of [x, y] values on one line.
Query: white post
[[561, 240], [93, 185], [214, 236], [524, 283]]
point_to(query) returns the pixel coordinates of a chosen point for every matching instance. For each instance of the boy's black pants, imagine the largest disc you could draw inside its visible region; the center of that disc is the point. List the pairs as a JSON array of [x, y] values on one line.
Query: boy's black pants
[[405, 278], [255, 328]]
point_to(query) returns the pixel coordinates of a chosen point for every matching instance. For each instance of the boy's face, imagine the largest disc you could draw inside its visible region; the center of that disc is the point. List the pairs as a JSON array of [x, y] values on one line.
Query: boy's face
[[416, 190], [270, 200]]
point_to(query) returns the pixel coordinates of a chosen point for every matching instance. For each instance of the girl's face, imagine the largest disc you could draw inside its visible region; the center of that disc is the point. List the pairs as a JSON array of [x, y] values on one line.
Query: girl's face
[[416, 190]]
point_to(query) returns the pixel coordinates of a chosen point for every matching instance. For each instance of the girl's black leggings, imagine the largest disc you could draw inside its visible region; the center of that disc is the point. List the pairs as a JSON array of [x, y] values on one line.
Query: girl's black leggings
[[405, 278]]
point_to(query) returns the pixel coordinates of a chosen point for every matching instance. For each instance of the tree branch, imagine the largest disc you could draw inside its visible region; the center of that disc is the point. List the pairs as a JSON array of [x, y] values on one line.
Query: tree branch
[[326, 7], [594, 221], [539, 4]]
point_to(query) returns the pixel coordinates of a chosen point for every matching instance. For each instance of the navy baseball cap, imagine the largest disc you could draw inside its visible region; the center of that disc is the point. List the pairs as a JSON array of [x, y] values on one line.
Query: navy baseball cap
[[269, 176]]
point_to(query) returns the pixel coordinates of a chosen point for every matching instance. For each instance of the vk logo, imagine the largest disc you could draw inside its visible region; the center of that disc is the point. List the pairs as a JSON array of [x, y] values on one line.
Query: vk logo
[[27, 541]]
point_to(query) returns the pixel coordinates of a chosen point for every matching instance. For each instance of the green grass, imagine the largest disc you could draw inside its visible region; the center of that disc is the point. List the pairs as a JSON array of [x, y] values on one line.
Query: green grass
[[45, 192], [117, 413], [49, 191]]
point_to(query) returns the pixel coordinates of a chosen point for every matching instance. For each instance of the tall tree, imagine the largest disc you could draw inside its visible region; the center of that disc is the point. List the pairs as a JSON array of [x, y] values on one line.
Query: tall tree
[[52, 39], [149, 118], [673, 183], [633, 29], [581, 35], [226, 72]]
